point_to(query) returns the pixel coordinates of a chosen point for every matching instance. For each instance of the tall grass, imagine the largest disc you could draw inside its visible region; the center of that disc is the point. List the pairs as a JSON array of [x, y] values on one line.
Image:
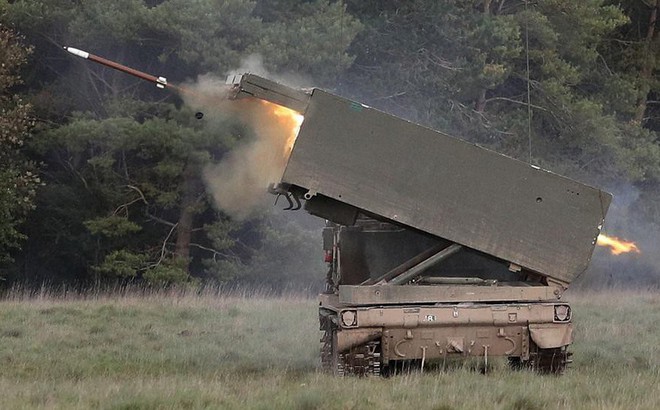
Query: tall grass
[[141, 349]]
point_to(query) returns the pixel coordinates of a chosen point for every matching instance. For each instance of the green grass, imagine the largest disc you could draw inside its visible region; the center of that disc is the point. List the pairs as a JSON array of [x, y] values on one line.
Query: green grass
[[253, 351]]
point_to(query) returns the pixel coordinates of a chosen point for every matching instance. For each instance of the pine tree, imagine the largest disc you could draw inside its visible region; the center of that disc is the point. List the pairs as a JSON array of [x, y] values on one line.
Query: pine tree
[[18, 177], [125, 196]]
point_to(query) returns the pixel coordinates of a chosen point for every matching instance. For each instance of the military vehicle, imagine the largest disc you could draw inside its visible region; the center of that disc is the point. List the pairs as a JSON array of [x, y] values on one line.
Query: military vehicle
[[437, 248]]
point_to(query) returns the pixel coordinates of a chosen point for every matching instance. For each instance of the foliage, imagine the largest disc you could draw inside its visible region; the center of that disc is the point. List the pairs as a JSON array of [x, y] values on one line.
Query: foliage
[[166, 274], [18, 176], [586, 106], [111, 226], [129, 174], [570, 86], [125, 196], [122, 264], [315, 45], [469, 65]]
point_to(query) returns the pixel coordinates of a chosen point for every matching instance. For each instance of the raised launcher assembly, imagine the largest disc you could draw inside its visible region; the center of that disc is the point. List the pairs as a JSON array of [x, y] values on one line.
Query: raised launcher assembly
[[436, 248]]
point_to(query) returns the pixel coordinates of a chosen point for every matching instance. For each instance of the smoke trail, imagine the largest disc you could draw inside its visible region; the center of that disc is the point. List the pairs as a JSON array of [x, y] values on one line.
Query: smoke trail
[[239, 182], [626, 219]]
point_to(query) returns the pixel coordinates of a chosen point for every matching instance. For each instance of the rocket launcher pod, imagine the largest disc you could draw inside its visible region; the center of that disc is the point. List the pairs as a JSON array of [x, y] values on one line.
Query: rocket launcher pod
[[351, 158]]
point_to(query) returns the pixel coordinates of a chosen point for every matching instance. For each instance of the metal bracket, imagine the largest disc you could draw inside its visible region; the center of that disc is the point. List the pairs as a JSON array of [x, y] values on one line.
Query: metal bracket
[[292, 199]]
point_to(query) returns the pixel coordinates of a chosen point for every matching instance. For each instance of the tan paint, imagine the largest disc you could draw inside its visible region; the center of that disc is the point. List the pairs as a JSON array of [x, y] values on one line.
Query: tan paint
[[349, 338], [387, 294], [549, 335]]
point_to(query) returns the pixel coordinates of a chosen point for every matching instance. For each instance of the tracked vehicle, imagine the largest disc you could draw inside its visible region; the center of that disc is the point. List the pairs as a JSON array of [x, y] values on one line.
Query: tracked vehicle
[[436, 248]]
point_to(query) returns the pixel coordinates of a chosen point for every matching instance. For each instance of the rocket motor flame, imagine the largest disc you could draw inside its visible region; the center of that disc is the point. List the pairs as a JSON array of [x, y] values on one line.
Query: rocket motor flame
[[617, 246], [288, 119]]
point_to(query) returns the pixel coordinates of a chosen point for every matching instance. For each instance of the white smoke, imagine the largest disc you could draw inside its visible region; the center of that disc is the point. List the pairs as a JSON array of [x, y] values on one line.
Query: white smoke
[[240, 181], [625, 221]]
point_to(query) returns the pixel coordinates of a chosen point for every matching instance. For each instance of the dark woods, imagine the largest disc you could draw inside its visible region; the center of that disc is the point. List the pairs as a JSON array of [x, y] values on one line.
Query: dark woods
[[101, 175]]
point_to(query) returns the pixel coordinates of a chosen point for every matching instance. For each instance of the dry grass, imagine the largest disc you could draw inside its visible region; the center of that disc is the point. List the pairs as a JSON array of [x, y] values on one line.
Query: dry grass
[[183, 350]]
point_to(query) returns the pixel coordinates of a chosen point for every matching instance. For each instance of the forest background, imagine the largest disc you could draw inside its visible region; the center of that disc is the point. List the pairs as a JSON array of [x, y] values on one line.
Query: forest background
[[101, 175]]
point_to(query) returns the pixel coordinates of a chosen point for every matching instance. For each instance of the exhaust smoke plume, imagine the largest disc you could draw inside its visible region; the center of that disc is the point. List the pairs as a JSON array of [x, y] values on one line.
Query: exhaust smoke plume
[[640, 267], [240, 181]]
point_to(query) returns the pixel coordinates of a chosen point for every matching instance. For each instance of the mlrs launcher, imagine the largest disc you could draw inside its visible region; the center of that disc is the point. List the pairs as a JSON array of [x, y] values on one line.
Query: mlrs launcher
[[349, 158], [435, 246]]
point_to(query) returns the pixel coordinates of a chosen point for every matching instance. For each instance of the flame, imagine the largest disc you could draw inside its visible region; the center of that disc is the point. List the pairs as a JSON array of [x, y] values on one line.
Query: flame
[[289, 119], [617, 246]]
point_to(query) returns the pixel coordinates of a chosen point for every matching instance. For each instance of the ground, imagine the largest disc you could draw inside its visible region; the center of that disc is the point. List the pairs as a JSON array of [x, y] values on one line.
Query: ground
[[183, 350]]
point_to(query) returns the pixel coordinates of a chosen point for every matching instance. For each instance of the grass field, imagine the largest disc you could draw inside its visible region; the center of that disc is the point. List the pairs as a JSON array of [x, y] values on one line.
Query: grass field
[[253, 351]]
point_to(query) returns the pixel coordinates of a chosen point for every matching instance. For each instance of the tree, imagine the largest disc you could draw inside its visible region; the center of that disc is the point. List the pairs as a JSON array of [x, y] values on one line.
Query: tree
[[571, 86], [314, 49], [18, 177], [528, 79], [125, 195], [115, 197]]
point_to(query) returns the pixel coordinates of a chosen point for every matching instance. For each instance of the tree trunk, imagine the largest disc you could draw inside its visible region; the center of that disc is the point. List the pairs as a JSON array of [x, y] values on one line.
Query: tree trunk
[[185, 225], [480, 102], [648, 64]]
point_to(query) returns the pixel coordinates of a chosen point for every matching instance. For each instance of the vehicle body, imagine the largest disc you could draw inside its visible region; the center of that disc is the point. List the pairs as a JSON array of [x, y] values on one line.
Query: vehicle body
[[436, 248]]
